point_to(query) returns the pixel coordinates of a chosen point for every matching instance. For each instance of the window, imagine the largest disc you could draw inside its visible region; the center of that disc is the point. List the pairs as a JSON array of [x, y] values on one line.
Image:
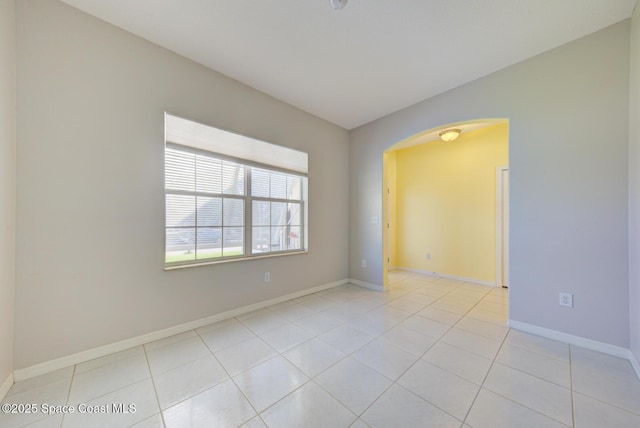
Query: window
[[219, 207], [277, 208]]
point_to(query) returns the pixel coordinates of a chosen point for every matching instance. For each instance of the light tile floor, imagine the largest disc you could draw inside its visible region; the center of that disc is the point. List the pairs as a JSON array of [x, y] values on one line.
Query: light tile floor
[[426, 352]]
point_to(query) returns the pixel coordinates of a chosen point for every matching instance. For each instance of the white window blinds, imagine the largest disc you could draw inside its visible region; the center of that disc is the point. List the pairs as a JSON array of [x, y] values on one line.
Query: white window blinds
[[220, 207]]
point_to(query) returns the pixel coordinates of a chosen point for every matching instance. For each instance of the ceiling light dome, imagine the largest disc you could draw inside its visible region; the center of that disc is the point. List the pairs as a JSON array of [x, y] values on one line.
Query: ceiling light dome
[[450, 134], [338, 4]]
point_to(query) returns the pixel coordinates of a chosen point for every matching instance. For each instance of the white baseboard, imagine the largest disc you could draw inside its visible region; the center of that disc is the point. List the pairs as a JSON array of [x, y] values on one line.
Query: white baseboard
[[6, 385], [594, 345], [368, 285], [444, 275], [101, 351]]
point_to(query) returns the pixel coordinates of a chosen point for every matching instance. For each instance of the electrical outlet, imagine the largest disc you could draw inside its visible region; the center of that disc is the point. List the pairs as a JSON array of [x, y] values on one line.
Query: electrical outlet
[[363, 263], [428, 256], [566, 299], [267, 277]]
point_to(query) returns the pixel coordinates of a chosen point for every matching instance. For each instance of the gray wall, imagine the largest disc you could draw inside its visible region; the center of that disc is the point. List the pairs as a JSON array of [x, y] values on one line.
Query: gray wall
[[634, 187], [7, 183], [568, 146], [90, 201]]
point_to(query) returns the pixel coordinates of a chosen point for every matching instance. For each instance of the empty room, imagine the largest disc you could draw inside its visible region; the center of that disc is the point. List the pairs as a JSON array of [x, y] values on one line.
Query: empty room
[[319, 213]]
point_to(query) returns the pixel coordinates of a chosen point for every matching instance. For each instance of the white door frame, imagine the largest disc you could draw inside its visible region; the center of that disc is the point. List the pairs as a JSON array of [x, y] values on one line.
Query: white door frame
[[502, 226]]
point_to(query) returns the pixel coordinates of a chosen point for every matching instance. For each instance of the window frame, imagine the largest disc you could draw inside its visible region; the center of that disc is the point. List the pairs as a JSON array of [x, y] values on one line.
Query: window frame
[[248, 209]]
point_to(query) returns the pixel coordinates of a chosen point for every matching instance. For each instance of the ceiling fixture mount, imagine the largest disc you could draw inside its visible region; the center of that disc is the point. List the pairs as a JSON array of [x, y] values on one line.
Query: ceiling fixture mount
[[450, 134], [338, 4]]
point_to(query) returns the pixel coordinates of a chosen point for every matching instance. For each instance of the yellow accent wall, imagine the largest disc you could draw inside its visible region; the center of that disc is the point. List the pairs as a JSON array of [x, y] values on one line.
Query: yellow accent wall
[[446, 204]]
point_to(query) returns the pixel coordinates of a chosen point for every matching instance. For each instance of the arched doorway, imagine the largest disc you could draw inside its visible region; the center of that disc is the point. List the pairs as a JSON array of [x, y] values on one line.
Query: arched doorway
[[440, 203]]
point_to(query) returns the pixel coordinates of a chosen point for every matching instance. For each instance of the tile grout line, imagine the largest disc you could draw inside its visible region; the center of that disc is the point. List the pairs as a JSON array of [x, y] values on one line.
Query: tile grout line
[[508, 398], [257, 414], [386, 303], [466, 314], [73, 376], [344, 322], [570, 387], [496, 362], [200, 392], [116, 390], [535, 352], [516, 402], [153, 383], [75, 366], [515, 369], [573, 407], [311, 379], [395, 382], [493, 361], [591, 397]]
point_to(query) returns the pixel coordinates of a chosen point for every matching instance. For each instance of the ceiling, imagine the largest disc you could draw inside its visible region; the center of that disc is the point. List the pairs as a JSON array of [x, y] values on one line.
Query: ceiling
[[367, 60], [434, 134]]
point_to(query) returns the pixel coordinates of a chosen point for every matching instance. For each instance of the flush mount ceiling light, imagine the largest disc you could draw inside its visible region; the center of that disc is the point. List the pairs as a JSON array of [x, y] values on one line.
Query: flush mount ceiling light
[[338, 4], [449, 134]]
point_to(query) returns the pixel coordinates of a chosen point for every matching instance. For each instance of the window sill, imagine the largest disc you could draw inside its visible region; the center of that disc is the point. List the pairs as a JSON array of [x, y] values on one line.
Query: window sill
[[239, 259]]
